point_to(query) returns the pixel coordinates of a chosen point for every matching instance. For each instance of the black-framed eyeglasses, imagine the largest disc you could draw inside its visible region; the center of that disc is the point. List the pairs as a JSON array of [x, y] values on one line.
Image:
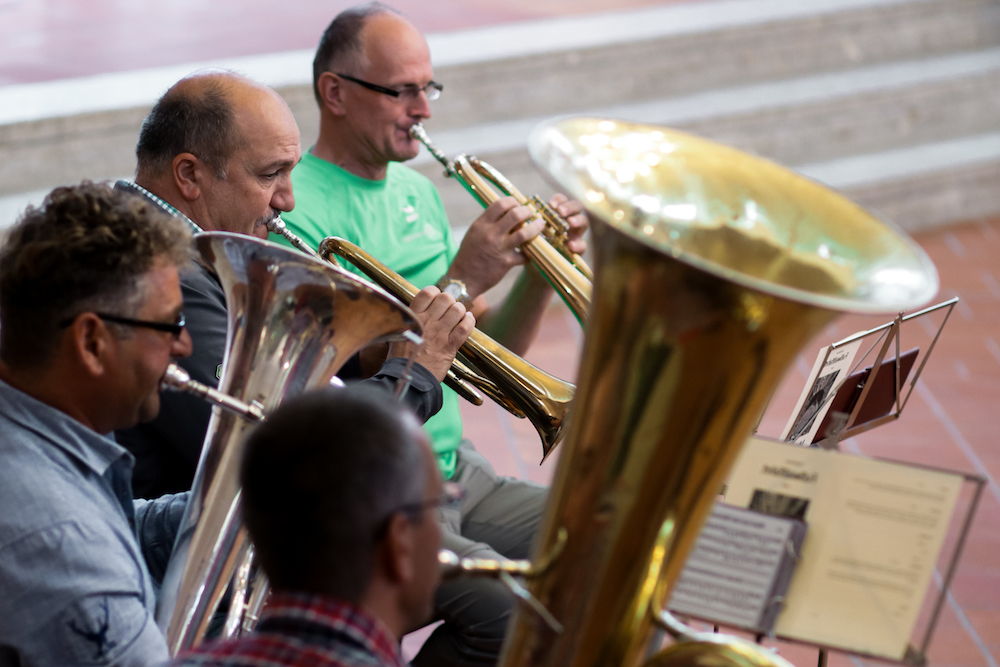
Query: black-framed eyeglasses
[[433, 89], [175, 328], [451, 495]]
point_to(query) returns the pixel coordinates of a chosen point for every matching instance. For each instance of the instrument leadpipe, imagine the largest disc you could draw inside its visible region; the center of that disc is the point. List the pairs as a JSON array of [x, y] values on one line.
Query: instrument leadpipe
[[566, 271]]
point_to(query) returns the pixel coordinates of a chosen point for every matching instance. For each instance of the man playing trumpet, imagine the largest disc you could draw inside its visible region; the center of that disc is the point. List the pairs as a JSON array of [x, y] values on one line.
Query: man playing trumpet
[[373, 80], [217, 150]]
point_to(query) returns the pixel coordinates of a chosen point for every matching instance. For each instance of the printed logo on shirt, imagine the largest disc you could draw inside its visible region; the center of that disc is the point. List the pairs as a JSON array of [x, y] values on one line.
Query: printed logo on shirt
[[96, 633]]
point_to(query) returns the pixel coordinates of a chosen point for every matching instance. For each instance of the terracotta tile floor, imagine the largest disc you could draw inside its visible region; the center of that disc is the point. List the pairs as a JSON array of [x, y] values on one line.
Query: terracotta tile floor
[[952, 420]]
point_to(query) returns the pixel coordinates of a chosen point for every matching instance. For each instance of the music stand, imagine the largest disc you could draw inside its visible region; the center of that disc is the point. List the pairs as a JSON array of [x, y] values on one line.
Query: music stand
[[836, 426]]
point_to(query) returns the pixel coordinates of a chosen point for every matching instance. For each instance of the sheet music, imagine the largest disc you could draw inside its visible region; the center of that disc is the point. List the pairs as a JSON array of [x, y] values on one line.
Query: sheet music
[[875, 532], [821, 386], [739, 568]]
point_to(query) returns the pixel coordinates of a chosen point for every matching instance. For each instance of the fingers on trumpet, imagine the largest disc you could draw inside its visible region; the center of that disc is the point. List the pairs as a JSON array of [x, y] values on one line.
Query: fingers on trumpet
[[490, 247], [447, 324], [573, 213]]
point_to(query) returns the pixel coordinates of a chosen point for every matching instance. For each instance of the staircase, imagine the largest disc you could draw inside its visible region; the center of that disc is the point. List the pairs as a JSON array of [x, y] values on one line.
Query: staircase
[[894, 102]]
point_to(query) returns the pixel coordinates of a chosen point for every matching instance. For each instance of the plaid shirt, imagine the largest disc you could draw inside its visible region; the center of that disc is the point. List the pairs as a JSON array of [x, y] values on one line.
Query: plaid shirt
[[305, 629]]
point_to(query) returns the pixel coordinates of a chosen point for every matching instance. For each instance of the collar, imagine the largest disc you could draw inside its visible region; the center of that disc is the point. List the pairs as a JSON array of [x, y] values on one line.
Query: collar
[[325, 619], [129, 186], [96, 451]]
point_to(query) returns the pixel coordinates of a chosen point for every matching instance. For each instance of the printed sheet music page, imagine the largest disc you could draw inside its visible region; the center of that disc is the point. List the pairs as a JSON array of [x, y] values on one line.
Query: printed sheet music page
[[875, 531]]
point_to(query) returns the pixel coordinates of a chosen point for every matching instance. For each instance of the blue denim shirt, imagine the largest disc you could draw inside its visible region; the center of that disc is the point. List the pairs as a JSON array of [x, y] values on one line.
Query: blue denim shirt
[[74, 585]]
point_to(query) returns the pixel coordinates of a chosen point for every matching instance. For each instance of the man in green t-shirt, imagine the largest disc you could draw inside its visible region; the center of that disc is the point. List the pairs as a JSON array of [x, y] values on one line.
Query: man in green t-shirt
[[373, 80]]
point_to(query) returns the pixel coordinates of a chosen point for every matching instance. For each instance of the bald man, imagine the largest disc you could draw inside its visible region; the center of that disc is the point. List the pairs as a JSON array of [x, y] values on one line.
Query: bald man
[[217, 150], [373, 80]]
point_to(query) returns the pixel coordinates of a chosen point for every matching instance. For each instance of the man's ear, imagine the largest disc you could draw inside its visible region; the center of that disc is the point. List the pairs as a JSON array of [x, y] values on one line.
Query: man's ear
[[90, 341], [398, 547], [331, 93], [188, 172]]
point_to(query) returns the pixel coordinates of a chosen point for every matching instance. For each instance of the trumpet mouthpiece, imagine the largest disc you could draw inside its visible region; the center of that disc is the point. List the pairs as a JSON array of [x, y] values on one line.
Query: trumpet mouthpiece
[[417, 132], [275, 225], [175, 377]]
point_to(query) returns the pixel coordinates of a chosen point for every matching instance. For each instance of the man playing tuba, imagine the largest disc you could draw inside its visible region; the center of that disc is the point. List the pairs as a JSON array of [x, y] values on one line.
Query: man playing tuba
[[90, 315]]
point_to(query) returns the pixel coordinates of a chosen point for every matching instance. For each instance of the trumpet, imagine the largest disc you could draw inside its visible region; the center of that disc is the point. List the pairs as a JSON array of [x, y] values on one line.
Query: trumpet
[[462, 379], [566, 271], [521, 387]]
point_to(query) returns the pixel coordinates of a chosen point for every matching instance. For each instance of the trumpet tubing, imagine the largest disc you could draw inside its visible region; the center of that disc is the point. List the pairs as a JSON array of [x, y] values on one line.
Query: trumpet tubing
[[544, 399], [549, 252], [460, 377]]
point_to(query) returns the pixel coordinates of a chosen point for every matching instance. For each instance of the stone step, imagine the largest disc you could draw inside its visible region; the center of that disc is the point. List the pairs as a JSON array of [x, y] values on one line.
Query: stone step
[[555, 67], [884, 108], [63, 131]]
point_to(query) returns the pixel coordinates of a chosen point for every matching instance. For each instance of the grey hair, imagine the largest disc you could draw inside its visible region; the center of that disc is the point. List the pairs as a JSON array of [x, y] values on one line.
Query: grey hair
[[87, 247]]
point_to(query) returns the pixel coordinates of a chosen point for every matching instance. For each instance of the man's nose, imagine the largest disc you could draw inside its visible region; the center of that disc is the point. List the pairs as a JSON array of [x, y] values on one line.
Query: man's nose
[[182, 346], [283, 199], [420, 107]]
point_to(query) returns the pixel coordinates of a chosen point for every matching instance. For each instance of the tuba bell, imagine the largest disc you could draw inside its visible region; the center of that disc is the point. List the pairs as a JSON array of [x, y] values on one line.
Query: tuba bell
[[293, 322], [712, 269]]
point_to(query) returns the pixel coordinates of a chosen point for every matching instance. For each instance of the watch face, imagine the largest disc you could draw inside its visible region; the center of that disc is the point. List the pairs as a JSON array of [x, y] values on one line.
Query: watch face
[[455, 290]]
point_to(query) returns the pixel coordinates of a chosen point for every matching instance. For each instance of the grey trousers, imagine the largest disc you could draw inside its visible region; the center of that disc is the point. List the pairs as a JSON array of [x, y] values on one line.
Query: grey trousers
[[497, 519]]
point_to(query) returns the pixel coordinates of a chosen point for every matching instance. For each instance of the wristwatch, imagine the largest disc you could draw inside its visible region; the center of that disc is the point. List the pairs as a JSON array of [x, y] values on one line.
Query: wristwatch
[[456, 288]]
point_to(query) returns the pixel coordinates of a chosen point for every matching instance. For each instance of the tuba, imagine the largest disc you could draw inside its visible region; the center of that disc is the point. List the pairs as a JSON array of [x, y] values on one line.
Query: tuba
[[566, 271], [293, 322], [712, 269]]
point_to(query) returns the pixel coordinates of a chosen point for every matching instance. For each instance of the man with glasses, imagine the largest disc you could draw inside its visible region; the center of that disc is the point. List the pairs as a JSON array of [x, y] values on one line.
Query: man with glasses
[[217, 151], [90, 317], [373, 80], [342, 520]]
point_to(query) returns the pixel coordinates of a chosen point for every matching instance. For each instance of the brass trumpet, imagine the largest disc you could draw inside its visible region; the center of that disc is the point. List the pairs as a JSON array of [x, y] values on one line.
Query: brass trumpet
[[462, 379], [566, 271], [516, 385], [522, 387]]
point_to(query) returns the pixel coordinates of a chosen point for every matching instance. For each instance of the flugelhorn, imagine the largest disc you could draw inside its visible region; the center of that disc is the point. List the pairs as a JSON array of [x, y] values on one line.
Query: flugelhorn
[[293, 322], [544, 399], [566, 271], [712, 269], [463, 380]]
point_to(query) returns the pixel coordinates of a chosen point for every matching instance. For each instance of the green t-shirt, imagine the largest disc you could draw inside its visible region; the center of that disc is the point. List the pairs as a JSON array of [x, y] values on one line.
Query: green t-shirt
[[399, 220]]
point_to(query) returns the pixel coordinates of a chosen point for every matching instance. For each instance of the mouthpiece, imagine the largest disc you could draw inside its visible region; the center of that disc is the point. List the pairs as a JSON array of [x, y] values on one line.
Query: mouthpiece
[[178, 379]]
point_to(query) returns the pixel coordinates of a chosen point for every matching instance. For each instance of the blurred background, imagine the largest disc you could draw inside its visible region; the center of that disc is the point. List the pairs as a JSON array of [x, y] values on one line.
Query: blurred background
[[896, 103]]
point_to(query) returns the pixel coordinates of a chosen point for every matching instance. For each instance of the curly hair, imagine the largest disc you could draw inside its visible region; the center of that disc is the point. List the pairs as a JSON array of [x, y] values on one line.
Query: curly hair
[[86, 247]]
